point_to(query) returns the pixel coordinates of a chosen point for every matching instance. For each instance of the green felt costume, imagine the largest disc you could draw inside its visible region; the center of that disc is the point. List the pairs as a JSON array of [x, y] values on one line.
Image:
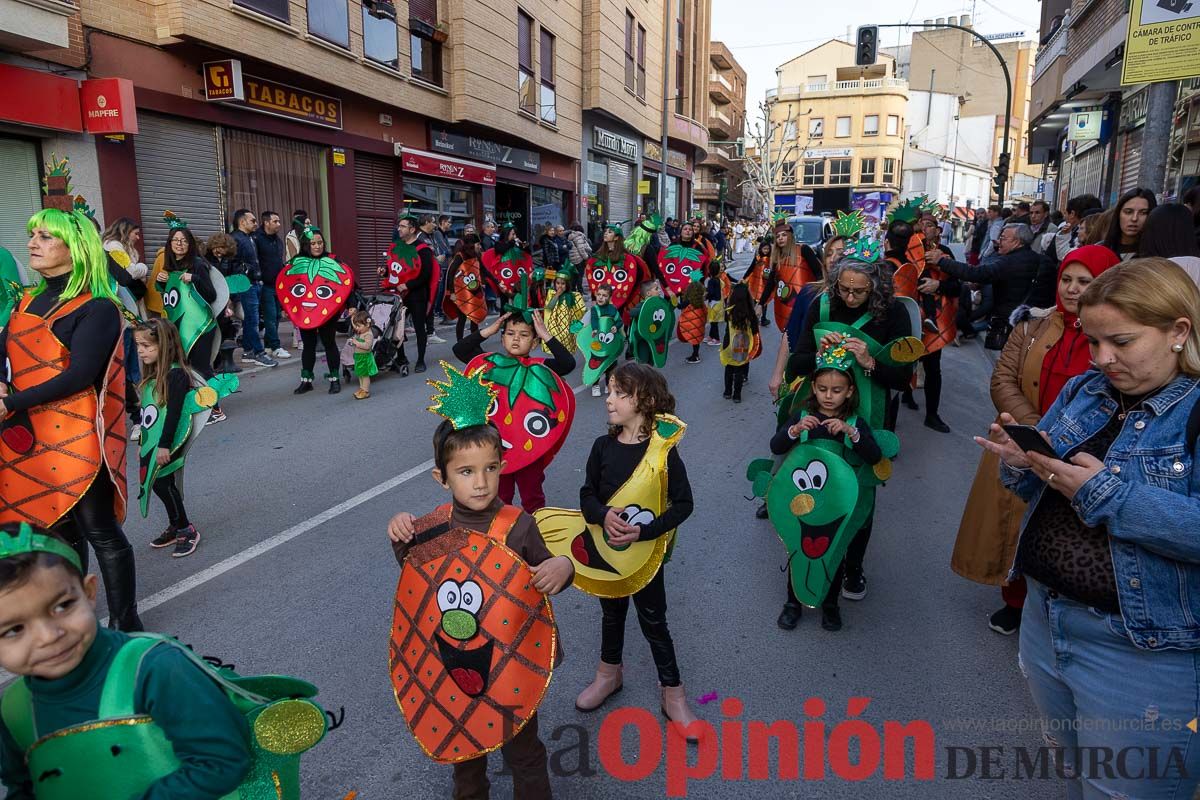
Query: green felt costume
[[187, 310], [602, 341], [652, 330], [10, 285]]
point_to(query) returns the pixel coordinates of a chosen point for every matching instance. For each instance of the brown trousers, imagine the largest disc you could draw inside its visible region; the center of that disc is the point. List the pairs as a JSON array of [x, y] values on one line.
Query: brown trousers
[[525, 756]]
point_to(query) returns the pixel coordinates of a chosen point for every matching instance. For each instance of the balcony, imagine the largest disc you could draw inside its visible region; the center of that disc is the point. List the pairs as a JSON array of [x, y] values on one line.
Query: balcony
[[721, 159], [720, 124], [720, 57], [31, 25], [706, 190], [834, 88], [720, 90], [1057, 46]]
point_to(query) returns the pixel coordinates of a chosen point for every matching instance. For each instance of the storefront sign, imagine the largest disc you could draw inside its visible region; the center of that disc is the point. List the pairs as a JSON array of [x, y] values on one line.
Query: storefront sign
[[652, 150], [643, 187], [615, 144], [223, 80], [280, 100], [30, 97], [676, 159], [1133, 110], [443, 141], [1161, 42], [108, 106], [454, 169], [1085, 125], [830, 152]]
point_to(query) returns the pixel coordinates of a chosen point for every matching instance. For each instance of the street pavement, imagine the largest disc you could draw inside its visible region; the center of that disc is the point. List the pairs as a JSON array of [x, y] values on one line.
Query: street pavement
[[294, 574]]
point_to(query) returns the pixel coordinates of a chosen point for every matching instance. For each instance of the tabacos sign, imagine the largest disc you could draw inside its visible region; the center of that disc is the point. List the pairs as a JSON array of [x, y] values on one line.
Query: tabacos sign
[[225, 83]]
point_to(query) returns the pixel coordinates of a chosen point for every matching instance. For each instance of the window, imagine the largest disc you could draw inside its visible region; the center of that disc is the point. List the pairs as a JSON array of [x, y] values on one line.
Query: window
[[277, 9], [843, 127], [814, 172], [547, 99], [839, 171], [816, 127], [867, 171], [871, 125], [889, 170], [526, 92], [679, 61], [379, 40], [630, 69], [789, 131], [330, 20], [818, 80], [425, 53], [641, 62], [893, 125], [787, 173]]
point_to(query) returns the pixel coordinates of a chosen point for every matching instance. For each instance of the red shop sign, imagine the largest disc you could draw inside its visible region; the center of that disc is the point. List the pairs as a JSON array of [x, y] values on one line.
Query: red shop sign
[[455, 169], [40, 99], [108, 106]]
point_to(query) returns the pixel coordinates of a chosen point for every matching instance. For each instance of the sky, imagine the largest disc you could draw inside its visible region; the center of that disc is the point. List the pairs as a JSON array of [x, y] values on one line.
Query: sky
[[762, 35]]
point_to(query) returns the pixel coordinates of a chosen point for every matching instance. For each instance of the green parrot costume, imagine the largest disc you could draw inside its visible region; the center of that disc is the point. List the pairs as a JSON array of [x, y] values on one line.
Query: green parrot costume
[[822, 494], [602, 340], [652, 330], [197, 406], [121, 753]]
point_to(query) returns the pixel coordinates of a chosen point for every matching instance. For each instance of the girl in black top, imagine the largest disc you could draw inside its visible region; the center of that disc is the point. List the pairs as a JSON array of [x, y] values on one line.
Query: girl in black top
[[637, 394]]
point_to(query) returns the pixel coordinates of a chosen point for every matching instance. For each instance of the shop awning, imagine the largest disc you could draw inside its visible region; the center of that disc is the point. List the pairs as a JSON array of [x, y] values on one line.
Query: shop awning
[[961, 212], [438, 166]]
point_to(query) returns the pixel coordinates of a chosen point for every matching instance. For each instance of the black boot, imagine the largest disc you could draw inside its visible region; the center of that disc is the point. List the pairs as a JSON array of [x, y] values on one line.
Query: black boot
[[737, 389], [789, 618], [762, 513], [831, 618], [728, 385], [335, 385], [306, 379], [909, 401], [120, 588]]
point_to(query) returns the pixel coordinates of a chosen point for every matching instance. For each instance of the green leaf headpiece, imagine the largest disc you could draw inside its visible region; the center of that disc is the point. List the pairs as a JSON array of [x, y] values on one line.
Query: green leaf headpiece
[[26, 541], [462, 399]]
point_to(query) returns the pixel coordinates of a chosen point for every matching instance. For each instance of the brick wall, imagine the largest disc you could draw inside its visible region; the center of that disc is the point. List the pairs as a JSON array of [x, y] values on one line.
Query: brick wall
[[74, 54], [1090, 19]]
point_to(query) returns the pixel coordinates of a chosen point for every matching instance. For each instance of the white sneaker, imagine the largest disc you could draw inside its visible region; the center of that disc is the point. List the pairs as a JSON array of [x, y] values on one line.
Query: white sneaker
[[135, 433], [281, 353], [433, 338], [596, 390]]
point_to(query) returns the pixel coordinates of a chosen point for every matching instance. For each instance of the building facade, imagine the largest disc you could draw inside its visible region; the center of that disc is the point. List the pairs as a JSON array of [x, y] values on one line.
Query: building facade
[[837, 131], [949, 156], [719, 189]]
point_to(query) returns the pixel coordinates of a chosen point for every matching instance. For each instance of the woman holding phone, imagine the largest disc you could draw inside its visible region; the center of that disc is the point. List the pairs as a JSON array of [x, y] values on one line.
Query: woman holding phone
[[1108, 546], [1045, 350]]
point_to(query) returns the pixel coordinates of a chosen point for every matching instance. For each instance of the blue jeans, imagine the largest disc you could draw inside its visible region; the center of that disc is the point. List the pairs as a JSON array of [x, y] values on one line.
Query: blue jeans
[[1095, 689], [269, 309], [133, 367], [251, 343]]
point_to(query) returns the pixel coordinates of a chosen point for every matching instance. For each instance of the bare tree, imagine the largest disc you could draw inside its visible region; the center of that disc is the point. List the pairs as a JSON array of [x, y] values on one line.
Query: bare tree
[[768, 171]]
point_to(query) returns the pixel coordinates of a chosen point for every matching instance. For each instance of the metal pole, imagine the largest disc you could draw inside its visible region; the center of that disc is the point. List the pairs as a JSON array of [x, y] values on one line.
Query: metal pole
[[662, 175], [929, 106], [1003, 68], [1156, 136], [954, 165]]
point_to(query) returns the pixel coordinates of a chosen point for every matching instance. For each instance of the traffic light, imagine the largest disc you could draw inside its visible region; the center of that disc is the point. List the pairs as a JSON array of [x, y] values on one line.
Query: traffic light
[[868, 46], [1001, 178]]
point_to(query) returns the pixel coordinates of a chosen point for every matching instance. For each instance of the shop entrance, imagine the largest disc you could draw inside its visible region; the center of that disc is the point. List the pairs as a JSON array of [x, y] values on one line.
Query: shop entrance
[[512, 206]]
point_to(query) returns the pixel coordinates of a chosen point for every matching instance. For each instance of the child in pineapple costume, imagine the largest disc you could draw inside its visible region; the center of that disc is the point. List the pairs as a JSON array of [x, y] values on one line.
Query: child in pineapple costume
[[535, 407], [97, 714], [824, 491], [693, 315], [564, 309], [175, 405], [741, 344], [313, 289], [634, 496], [473, 641], [601, 340]]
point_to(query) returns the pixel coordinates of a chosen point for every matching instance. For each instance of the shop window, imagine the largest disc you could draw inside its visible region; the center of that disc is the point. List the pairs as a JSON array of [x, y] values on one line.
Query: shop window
[[526, 88], [814, 172], [547, 98], [330, 20], [270, 172], [277, 9], [889, 170], [839, 171], [641, 62], [630, 69], [435, 199], [379, 39], [843, 127], [548, 209], [871, 125], [867, 172]]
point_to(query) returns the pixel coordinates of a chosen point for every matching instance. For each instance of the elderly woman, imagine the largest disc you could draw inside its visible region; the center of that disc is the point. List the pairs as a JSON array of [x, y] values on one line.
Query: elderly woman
[[1108, 547], [858, 294], [62, 422], [1045, 350]]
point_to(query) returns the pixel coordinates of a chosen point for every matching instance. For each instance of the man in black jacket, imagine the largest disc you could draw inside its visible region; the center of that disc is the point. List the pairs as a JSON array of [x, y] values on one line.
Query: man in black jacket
[[269, 248], [253, 351], [1011, 270]]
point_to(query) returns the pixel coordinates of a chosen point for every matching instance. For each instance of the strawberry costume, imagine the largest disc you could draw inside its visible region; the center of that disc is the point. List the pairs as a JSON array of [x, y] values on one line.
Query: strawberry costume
[[313, 289]]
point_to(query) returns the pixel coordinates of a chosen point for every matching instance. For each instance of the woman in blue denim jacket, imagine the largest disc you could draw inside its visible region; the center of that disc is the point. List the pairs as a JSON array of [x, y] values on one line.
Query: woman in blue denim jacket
[[1110, 544]]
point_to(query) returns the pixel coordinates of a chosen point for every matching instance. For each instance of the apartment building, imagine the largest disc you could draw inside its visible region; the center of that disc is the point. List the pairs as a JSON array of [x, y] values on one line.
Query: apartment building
[[719, 177], [838, 130]]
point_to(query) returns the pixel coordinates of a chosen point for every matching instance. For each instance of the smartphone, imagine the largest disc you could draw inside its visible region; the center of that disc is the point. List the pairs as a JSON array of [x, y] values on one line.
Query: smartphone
[[1029, 438]]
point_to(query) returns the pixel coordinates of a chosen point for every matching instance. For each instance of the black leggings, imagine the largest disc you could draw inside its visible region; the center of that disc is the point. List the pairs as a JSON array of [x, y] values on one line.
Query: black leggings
[[461, 324], [327, 334], [933, 383], [172, 499], [200, 357], [418, 315], [651, 605], [92, 522]]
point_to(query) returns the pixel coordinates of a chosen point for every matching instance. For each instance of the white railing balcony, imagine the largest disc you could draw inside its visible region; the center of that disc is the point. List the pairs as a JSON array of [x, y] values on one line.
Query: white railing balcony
[[708, 186], [720, 116], [716, 77], [836, 87], [1057, 46]]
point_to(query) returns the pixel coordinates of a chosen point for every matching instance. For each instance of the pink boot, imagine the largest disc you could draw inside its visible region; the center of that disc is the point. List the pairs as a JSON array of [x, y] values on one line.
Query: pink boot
[[606, 683], [675, 708]]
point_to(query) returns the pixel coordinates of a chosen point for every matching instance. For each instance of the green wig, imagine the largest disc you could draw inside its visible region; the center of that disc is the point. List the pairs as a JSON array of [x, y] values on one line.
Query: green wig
[[89, 262], [638, 238]]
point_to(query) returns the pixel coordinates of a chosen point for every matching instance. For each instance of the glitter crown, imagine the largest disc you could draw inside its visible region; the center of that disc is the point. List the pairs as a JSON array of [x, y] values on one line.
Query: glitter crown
[[462, 399]]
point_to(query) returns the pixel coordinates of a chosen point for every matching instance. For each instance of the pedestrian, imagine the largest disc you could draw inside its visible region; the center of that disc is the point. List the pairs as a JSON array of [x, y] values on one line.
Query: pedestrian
[[488, 237], [1039, 221], [253, 351], [120, 241], [417, 278], [716, 291], [758, 278], [313, 292], [939, 292], [165, 389], [640, 447], [551, 254], [270, 251], [467, 454], [739, 237], [363, 342], [1129, 217], [829, 415], [564, 308], [219, 251], [790, 341], [431, 234], [995, 223], [62, 346], [300, 221], [579, 250], [1046, 350], [193, 734], [466, 299], [693, 316], [1170, 233], [521, 331], [1021, 215], [1109, 539], [792, 266], [741, 344]]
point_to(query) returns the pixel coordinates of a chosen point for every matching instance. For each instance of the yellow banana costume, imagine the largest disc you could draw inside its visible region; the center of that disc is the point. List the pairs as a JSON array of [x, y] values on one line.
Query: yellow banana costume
[[600, 569]]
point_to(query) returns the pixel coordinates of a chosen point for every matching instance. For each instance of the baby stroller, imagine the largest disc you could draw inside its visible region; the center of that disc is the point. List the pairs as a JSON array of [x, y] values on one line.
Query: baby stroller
[[388, 317]]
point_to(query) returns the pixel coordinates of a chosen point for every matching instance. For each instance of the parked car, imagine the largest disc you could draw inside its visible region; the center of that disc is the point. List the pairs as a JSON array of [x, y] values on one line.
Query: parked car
[[813, 231]]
